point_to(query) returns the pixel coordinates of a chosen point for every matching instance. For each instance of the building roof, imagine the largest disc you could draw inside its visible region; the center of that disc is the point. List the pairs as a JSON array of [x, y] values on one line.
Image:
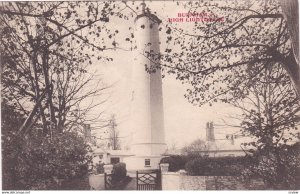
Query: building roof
[[112, 152], [227, 144], [173, 152]]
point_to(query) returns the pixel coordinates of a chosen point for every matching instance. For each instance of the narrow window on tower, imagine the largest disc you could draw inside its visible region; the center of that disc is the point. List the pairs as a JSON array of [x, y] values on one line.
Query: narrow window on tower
[[147, 162]]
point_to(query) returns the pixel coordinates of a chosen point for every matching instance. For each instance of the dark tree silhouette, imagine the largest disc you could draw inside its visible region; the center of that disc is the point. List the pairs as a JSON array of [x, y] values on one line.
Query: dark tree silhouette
[[46, 50]]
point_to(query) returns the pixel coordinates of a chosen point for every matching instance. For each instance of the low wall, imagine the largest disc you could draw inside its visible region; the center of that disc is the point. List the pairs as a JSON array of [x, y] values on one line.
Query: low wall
[[97, 181], [192, 182], [233, 183], [170, 181], [176, 181]]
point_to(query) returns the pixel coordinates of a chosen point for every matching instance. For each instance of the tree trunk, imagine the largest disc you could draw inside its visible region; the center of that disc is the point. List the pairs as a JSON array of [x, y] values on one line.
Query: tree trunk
[[49, 90], [293, 69], [27, 122], [291, 13]]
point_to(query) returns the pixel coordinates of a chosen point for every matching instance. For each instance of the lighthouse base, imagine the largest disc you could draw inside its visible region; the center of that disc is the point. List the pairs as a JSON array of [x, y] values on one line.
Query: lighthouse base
[[146, 156], [134, 163]]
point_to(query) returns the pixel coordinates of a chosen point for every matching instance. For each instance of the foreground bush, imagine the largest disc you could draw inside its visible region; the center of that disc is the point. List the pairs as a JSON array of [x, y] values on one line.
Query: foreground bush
[[119, 172], [100, 168], [38, 162], [278, 167]]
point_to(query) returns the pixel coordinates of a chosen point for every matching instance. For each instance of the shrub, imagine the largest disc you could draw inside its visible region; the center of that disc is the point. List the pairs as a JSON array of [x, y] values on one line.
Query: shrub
[[39, 162], [99, 168], [175, 162], [223, 166], [119, 172], [279, 168]]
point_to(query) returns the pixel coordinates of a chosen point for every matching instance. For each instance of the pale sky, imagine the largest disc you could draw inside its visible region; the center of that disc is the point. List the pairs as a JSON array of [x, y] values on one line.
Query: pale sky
[[183, 121]]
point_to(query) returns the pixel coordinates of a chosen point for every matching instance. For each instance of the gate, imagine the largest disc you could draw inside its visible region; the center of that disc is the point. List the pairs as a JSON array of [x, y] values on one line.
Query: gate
[[148, 180], [108, 185]]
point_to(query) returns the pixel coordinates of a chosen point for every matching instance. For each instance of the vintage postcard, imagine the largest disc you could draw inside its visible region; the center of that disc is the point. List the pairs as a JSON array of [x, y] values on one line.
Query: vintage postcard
[[150, 95]]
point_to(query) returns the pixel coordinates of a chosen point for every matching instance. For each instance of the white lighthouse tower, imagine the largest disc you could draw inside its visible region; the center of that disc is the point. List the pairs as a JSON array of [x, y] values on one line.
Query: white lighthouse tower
[[147, 117]]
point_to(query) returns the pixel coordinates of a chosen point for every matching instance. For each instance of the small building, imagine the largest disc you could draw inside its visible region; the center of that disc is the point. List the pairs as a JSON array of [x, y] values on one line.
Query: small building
[[225, 145], [222, 148], [109, 156], [217, 145]]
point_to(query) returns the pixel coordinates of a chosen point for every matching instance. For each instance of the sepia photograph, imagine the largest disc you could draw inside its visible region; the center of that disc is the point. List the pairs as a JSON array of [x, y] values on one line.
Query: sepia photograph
[[150, 95]]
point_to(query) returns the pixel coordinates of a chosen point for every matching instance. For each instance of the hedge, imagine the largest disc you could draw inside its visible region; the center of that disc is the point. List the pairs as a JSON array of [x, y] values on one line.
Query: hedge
[[223, 166], [175, 162]]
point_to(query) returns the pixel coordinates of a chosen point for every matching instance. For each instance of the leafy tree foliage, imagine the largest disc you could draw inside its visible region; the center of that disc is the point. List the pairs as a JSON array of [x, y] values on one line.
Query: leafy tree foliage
[[271, 115], [213, 57], [270, 108], [47, 48]]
